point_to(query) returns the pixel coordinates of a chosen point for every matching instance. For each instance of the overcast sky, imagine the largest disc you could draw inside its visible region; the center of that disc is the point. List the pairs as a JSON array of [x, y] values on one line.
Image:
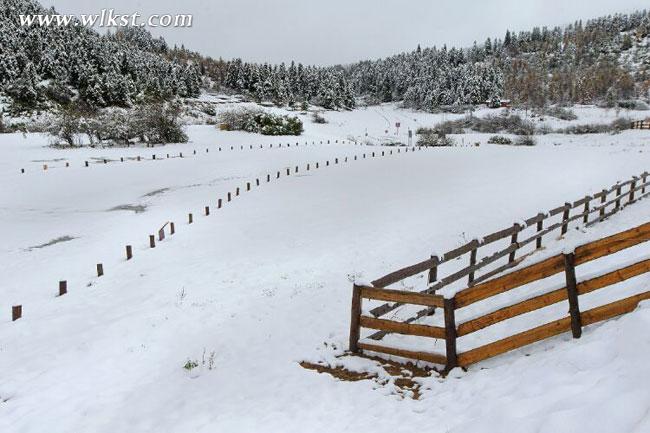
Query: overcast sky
[[342, 31]]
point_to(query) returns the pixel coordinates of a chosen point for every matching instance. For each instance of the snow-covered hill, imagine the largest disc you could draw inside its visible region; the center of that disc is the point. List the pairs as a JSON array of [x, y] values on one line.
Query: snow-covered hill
[[265, 282]]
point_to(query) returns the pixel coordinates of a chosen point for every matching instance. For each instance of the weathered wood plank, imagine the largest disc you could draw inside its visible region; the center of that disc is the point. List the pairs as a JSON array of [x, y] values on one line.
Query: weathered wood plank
[[402, 296], [543, 269], [612, 244], [422, 356], [613, 309], [403, 328], [515, 341], [403, 273]]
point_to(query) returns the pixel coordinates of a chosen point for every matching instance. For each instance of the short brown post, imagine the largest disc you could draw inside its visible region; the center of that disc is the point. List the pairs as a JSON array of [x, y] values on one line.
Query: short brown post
[[268, 178], [643, 180], [138, 158], [44, 166], [450, 334], [317, 165], [153, 156], [129, 252], [172, 228], [288, 171], [257, 181], [618, 197], [336, 160], [86, 163], [63, 288], [219, 203], [307, 166], [277, 175], [67, 164], [22, 170], [433, 271], [565, 217], [632, 188], [207, 210], [105, 162], [513, 240], [122, 158], [237, 191], [296, 170], [248, 186], [168, 156], [572, 292], [152, 241], [472, 261], [355, 319], [180, 154], [189, 218], [540, 227], [100, 269], [603, 199], [16, 312], [194, 151], [585, 218], [355, 157], [161, 234], [229, 196]]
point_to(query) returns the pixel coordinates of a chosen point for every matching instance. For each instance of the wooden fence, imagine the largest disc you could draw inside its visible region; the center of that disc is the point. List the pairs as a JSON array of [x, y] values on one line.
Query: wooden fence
[[523, 238], [481, 292], [641, 124]]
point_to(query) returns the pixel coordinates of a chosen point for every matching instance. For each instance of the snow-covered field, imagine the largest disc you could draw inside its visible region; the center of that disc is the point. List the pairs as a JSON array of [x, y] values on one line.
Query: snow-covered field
[[265, 282]]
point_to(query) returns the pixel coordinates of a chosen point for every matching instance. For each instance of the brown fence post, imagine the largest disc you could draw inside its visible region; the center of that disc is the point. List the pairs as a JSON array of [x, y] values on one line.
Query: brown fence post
[[161, 234], [572, 292], [513, 240], [472, 261], [207, 210], [603, 199], [63, 288], [433, 271], [643, 180], [585, 218], [152, 241], [219, 203], [100, 269], [355, 319], [172, 228], [189, 218], [565, 217], [450, 334], [129, 252], [618, 197], [632, 188], [16, 312], [540, 227]]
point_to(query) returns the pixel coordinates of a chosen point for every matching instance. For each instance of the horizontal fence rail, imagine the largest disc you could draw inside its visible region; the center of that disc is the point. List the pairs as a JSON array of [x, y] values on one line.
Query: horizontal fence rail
[[562, 263]]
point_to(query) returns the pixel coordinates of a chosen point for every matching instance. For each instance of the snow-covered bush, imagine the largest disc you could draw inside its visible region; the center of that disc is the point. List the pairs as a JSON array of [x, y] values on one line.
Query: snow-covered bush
[[561, 113], [525, 140], [489, 124], [431, 137], [318, 118], [499, 139], [259, 121]]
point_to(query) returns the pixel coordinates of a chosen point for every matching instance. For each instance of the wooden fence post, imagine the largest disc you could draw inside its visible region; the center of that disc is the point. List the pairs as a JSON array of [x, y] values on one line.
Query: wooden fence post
[[207, 210], [472, 261], [632, 187], [355, 319], [450, 334], [603, 199], [189, 218], [565, 217], [585, 218], [129, 252], [540, 227], [100, 269], [219, 203], [229, 197], [513, 240], [248, 186], [152, 241], [643, 180], [572, 292], [268, 178], [16, 312], [63, 288], [433, 271], [172, 229], [161, 234]]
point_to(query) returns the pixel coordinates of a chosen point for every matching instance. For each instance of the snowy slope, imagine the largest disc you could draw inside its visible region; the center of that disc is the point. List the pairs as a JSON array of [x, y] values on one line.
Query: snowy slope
[[265, 282]]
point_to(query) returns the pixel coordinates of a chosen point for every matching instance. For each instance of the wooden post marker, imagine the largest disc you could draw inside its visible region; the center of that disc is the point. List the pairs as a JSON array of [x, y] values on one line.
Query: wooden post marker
[[450, 334], [355, 319], [129, 252], [100, 269], [572, 292], [207, 210], [63, 288], [190, 219], [172, 228], [16, 312], [152, 241]]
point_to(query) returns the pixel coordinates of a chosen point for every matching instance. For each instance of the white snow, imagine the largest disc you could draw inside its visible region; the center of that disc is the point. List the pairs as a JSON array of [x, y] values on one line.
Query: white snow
[[266, 282]]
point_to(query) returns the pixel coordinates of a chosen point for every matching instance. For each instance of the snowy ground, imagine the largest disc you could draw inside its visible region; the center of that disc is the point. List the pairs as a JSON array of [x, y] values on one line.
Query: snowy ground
[[265, 282]]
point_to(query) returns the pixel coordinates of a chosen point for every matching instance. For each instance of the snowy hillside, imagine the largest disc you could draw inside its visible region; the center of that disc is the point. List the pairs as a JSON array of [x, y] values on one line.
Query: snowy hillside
[[265, 282]]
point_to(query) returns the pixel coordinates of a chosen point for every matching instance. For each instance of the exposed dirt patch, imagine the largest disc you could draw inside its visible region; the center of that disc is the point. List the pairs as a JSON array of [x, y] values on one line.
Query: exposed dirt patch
[[402, 374], [54, 241], [137, 208]]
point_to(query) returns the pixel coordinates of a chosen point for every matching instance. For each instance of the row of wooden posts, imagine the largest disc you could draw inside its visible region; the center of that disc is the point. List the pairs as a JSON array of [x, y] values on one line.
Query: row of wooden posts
[[17, 310], [207, 150], [451, 331]]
